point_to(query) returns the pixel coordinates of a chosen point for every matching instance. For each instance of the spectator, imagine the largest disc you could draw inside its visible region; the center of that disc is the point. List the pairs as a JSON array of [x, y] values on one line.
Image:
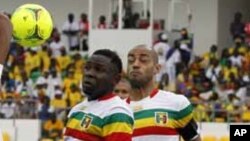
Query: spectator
[[236, 59], [84, 24], [8, 109], [211, 55], [84, 31], [114, 21], [161, 48], [123, 88], [24, 84], [186, 46], [45, 54], [73, 96], [102, 22], [44, 109], [53, 127], [173, 58], [128, 14], [238, 45], [213, 71], [246, 112], [135, 20], [56, 45], [32, 60], [58, 102], [237, 26], [63, 60], [71, 30]]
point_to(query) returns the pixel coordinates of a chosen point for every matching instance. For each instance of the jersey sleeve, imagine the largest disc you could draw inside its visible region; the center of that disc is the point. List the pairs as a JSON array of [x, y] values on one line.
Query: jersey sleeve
[[118, 126], [187, 127]]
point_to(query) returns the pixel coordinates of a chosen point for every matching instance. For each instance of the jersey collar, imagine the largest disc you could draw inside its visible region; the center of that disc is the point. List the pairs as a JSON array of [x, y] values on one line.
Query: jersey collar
[[152, 94], [106, 97]]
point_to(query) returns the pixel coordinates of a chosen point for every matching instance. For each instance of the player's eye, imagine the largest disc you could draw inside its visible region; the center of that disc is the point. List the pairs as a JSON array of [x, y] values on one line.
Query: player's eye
[[99, 68], [131, 59], [144, 59]]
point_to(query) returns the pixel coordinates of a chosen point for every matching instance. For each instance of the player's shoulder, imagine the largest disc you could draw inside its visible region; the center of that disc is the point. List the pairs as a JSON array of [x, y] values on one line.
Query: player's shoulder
[[78, 108], [117, 105], [179, 100]]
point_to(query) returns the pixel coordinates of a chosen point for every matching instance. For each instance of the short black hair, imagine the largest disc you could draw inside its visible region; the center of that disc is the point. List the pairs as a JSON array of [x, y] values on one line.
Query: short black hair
[[115, 59]]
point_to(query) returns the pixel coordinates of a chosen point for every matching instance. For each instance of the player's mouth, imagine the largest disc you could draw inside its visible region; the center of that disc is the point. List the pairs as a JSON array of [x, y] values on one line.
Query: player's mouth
[[87, 84], [135, 73]]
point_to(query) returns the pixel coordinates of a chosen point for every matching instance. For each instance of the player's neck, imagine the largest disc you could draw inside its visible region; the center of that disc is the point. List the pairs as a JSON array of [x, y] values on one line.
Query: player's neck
[[140, 93]]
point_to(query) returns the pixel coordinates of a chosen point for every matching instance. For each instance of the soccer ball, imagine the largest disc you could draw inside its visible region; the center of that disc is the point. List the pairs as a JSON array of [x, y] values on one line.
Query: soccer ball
[[32, 25]]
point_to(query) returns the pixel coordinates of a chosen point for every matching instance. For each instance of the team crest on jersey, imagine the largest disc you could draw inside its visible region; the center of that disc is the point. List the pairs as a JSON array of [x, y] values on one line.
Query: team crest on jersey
[[86, 121], [161, 118]]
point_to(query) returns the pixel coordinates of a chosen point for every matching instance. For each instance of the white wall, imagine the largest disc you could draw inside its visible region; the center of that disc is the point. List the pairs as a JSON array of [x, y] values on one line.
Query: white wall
[[21, 130], [204, 24], [227, 8]]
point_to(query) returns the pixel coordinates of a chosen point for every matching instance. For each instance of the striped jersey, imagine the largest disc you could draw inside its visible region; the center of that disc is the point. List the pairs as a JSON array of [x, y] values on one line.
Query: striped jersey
[[106, 119], [159, 116]]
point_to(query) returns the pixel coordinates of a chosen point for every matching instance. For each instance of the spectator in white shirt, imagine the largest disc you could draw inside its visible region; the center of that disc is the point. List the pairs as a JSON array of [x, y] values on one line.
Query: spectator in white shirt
[[213, 71], [161, 48], [173, 57], [56, 45], [8, 108], [236, 59], [71, 30]]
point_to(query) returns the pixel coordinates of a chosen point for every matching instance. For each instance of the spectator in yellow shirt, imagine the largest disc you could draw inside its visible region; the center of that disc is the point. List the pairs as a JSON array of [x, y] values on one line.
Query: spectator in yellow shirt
[[53, 127], [58, 102], [228, 70], [32, 60], [246, 112], [238, 45], [211, 55], [63, 59], [79, 64], [73, 96], [45, 56], [69, 80]]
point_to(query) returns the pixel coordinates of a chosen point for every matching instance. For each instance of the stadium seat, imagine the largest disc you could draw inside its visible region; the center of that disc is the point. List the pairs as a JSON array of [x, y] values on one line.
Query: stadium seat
[[6, 136], [209, 138], [224, 138]]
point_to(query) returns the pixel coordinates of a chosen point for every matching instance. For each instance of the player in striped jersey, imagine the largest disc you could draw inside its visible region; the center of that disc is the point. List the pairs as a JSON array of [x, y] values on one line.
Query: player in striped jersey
[[159, 115], [103, 116]]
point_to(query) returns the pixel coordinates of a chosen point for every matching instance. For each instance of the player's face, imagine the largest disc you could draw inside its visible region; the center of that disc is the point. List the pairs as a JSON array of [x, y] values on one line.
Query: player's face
[[99, 77], [122, 89], [141, 66]]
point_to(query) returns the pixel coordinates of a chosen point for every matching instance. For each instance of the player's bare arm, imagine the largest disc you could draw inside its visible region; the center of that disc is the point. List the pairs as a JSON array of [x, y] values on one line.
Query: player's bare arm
[[5, 36]]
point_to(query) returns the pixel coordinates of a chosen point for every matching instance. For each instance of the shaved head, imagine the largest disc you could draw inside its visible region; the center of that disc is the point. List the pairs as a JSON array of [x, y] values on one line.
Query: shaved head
[[142, 66], [152, 52]]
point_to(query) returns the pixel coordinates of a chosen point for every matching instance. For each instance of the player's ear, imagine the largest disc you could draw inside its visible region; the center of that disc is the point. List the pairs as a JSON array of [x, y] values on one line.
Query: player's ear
[[157, 68]]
